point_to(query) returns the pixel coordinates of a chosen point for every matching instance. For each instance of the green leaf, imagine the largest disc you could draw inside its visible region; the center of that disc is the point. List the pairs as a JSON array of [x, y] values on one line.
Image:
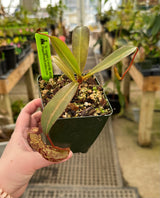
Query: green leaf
[[66, 70], [65, 54], [54, 109], [112, 59], [80, 44], [156, 26]]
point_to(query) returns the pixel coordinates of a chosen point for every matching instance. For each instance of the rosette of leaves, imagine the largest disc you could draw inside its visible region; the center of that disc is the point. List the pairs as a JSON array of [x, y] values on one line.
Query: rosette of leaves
[[72, 65]]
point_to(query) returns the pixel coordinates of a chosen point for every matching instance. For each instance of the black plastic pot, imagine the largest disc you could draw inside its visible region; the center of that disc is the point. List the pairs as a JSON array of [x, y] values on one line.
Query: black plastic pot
[[150, 67], [114, 101], [20, 56], [78, 133], [3, 68], [26, 47], [10, 56], [1, 72]]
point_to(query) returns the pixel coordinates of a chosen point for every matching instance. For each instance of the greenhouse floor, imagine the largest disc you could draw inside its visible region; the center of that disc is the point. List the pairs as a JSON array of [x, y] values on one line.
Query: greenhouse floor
[[113, 168], [93, 174]]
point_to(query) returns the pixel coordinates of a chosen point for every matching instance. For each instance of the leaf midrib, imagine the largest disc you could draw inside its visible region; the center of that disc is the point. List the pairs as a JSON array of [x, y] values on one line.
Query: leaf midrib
[[109, 62], [57, 107], [68, 60]]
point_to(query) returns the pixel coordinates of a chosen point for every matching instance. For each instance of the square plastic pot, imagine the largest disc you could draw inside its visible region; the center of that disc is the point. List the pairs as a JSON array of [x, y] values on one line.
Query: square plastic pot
[[78, 133], [150, 67]]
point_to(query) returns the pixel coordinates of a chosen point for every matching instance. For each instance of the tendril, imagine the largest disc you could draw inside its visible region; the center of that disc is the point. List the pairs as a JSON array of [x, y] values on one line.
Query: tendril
[[116, 70]]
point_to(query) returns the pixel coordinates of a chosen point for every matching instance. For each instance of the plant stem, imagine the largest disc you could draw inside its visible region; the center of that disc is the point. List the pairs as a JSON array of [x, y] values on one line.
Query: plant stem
[[79, 79], [44, 34], [116, 71], [56, 147], [49, 139]]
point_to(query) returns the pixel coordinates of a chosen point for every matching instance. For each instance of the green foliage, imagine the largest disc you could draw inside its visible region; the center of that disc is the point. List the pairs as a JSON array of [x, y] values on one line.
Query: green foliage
[[137, 27], [99, 7], [55, 12], [121, 20], [65, 54], [75, 63], [71, 65], [63, 68], [112, 59], [80, 44], [56, 106], [118, 87], [22, 15], [16, 108], [52, 11]]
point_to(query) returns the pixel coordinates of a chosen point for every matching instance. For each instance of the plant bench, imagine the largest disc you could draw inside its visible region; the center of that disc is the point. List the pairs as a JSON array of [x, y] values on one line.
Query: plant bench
[[8, 81], [149, 85]]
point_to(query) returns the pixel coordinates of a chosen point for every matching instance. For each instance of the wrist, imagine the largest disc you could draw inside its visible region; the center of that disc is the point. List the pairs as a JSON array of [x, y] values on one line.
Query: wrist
[[4, 194], [14, 173], [6, 178], [11, 180]]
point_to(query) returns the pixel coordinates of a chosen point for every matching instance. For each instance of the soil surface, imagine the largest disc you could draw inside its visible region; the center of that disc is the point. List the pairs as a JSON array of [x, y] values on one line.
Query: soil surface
[[89, 99]]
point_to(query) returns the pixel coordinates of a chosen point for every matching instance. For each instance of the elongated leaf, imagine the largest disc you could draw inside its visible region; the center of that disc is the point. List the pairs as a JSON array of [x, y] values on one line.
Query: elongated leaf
[[112, 59], [66, 70], [65, 54], [57, 105], [80, 44]]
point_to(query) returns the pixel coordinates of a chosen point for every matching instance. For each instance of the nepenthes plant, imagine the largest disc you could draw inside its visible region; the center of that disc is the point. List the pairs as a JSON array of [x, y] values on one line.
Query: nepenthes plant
[[72, 65]]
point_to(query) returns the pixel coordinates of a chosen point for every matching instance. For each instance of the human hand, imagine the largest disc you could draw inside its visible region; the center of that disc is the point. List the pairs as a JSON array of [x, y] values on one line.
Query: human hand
[[19, 162]]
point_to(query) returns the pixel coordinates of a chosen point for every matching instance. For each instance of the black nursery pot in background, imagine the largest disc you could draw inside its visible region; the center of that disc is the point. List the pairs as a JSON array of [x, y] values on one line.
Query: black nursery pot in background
[[78, 133], [10, 56], [26, 47], [114, 101], [149, 67], [3, 68]]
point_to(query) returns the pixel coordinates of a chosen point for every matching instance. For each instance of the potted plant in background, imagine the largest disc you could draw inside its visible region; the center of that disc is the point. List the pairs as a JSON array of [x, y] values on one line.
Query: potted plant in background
[[10, 56], [77, 133], [119, 26], [127, 22], [148, 41]]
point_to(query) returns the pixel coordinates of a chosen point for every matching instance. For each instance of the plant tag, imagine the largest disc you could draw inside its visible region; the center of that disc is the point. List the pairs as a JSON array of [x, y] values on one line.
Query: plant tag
[[44, 55]]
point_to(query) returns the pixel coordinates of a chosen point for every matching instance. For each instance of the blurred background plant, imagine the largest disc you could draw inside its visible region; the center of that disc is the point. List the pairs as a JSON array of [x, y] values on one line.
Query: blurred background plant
[[125, 26], [16, 108]]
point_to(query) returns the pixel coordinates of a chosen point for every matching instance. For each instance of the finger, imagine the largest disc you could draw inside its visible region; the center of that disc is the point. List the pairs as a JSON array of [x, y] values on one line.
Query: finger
[[35, 119], [24, 117], [32, 106]]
